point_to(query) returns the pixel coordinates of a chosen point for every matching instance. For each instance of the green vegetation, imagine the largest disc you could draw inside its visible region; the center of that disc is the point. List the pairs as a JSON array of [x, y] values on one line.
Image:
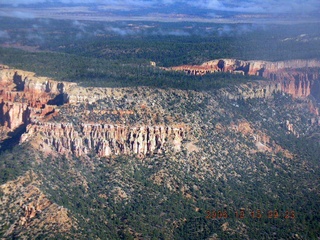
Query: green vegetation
[[168, 196], [94, 54], [89, 71], [13, 165], [117, 197]]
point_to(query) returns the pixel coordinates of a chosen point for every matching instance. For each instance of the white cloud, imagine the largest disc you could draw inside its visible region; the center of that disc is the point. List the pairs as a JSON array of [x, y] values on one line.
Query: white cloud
[[260, 6], [247, 6], [4, 34], [17, 14], [120, 31]]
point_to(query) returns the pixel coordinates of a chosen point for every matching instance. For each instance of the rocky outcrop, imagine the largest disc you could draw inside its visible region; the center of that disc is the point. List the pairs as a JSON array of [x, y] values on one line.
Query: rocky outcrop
[[24, 96], [106, 139], [258, 89], [26, 99], [262, 141], [254, 67], [295, 77], [26, 211], [12, 115], [290, 128], [28, 82]]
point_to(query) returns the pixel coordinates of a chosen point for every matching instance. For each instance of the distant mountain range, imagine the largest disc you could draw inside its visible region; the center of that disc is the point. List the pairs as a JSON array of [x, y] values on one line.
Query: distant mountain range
[[171, 11]]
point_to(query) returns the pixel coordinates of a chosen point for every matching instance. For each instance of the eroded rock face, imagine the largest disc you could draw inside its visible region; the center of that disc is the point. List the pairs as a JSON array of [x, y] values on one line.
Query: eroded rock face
[[12, 115], [26, 210], [106, 139], [255, 67], [23, 97], [259, 89], [33, 89], [262, 141], [27, 100], [294, 77]]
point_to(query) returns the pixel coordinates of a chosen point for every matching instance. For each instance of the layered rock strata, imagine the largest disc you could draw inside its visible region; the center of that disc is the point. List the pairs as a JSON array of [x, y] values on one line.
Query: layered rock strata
[[27, 100], [24, 97], [296, 77], [255, 67], [106, 139]]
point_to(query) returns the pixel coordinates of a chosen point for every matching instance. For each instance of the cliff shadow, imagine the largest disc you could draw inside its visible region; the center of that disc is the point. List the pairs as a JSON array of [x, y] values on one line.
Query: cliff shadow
[[2, 117], [245, 69], [59, 100], [315, 90], [17, 79], [13, 138]]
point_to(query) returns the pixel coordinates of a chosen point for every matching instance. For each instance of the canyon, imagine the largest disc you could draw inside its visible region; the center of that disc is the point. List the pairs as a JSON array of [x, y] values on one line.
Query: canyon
[[91, 148], [147, 130], [30, 104], [295, 77]]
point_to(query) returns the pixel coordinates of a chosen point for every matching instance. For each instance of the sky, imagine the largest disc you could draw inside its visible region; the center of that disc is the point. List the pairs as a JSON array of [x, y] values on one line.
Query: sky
[[253, 6], [278, 7]]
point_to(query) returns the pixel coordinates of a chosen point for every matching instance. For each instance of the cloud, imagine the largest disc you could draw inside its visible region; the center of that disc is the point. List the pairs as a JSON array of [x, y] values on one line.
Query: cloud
[[176, 32], [259, 6], [236, 30], [4, 35], [79, 25], [143, 30], [26, 2], [141, 3], [34, 36], [121, 31], [211, 6], [17, 14]]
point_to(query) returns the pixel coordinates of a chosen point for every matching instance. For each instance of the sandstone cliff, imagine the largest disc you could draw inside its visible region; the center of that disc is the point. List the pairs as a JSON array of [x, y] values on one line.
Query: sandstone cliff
[[23, 97], [295, 77], [106, 139], [34, 89], [27, 99], [254, 67], [30, 101]]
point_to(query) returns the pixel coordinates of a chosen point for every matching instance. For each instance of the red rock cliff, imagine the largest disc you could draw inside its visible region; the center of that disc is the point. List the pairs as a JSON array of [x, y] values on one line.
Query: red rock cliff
[[23, 97], [296, 77], [26, 99]]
